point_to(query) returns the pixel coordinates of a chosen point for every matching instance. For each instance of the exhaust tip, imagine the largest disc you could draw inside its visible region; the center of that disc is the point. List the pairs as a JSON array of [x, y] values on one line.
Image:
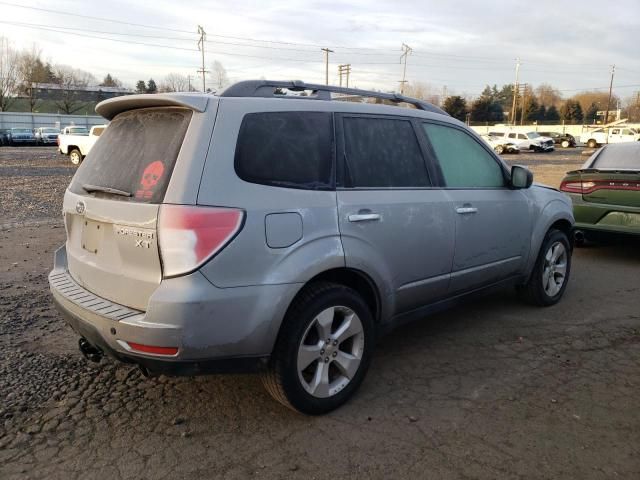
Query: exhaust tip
[[89, 351]]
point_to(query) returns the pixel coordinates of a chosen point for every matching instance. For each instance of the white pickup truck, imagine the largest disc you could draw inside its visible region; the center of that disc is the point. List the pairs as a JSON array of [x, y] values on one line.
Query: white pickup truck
[[526, 140], [77, 145], [618, 134]]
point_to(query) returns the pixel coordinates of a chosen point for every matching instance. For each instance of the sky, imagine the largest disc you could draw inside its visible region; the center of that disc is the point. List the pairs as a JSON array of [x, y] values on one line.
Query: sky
[[460, 45]]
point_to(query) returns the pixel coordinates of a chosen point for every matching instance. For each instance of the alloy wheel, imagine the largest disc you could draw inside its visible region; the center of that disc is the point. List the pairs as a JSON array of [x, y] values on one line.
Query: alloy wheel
[[555, 269], [330, 351]]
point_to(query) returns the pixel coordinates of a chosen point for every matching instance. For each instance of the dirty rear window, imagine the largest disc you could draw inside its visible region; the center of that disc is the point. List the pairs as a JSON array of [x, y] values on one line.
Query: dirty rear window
[[135, 156]]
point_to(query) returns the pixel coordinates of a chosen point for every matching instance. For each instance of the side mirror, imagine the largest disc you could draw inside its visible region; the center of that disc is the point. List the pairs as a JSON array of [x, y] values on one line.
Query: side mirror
[[521, 177]]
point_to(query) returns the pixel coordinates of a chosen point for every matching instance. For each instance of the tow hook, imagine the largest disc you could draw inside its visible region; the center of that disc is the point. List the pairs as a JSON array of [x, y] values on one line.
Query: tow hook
[[91, 353]]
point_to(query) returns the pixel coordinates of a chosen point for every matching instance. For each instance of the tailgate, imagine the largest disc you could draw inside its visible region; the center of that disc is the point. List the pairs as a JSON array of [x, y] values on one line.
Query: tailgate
[[113, 251], [111, 207]]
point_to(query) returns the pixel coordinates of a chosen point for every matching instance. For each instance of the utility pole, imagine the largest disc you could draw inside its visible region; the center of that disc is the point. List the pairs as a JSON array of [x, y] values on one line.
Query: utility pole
[[406, 50], [515, 93], [326, 51], [606, 114], [203, 38], [344, 70], [524, 102]]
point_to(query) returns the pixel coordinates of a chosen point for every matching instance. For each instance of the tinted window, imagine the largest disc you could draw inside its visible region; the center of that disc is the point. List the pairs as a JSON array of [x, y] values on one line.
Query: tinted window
[[136, 154], [512, 135], [382, 152], [463, 161], [287, 149], [522, 136]]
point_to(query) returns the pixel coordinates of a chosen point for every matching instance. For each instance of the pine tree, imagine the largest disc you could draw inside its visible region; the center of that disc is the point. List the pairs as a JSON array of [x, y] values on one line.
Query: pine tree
[[141, 87]]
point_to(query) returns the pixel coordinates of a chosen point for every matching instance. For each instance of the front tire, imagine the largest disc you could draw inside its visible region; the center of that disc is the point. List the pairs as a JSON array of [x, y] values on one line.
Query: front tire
[[592, 143], [323, 350], [565, 144], [550, 275], [499, 149]]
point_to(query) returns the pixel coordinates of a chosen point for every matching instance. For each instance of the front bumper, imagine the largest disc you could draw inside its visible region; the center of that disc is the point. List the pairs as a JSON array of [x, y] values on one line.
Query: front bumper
[[215, 330]]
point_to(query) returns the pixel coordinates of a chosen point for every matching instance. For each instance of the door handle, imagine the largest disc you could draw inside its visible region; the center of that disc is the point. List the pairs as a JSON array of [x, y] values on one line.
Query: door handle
[[465, 210], [364, 217]]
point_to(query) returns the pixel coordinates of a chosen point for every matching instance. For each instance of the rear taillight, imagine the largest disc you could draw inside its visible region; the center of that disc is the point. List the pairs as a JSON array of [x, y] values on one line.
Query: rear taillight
[[576, 186], [188, 236]]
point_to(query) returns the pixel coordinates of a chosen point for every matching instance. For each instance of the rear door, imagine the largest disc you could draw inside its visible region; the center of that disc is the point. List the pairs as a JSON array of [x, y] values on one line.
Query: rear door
[[111, 206], [392, 220], [493, 222]]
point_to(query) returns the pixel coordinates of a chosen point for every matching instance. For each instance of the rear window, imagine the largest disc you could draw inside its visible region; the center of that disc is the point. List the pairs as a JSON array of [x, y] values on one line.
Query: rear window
[[136, 155], [286, 149], [624, 157]]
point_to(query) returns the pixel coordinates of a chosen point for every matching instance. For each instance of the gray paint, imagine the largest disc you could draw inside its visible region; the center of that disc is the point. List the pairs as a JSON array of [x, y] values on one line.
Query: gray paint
[[412, 244]]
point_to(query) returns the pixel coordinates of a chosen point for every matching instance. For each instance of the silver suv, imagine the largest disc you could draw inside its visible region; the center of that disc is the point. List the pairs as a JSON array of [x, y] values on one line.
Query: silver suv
[[283, 233]]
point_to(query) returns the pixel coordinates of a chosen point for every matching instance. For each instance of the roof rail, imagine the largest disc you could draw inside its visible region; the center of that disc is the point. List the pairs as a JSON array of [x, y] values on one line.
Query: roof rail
[[267, 89]]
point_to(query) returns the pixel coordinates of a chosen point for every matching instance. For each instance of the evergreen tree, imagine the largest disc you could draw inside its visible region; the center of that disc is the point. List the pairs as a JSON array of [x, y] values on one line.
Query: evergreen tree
[[456, 106], [552, 114], [141, 87], [486, 110], [592, 113], [151, 86]]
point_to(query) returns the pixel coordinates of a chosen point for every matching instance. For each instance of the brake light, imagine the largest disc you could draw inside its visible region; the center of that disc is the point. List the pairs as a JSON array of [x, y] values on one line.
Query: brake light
[[188, 236], [589, 187], [576, 187]]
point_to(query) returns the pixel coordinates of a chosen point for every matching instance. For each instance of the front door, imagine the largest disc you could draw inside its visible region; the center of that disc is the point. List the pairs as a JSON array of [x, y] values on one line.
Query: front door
[[393, 223], [493, 222]]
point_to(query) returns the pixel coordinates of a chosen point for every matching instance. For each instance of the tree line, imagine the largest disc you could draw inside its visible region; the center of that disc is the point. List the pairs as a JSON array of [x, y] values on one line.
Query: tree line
[[543, 104]]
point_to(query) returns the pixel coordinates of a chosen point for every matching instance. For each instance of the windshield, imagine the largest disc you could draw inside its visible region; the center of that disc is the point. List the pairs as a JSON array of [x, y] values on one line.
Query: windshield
[[532, 135], [20, 130], [50, 130]]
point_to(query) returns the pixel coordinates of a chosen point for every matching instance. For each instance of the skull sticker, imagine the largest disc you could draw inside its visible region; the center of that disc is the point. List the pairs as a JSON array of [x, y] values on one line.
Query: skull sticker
[[150, 178]]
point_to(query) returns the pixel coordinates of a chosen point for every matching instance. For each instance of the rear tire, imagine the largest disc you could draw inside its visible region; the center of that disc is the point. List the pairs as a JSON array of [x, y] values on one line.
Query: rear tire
[[565, 144], [592, 143], [499, 149], [313, 374], [550, 274], [75, 156]]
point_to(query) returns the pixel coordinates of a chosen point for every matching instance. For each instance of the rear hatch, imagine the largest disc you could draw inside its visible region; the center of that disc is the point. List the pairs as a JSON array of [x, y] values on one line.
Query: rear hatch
[[111, 207]]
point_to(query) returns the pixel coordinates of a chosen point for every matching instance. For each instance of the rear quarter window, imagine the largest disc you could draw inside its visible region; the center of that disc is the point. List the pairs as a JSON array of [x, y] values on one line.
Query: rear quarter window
[[136, 154], [286, 149]]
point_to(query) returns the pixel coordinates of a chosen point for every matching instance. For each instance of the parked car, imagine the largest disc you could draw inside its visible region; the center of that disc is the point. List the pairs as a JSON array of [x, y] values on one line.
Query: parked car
[[21, 136], [46, 135], [602, 136], [5, 136], [565, 140], [527, 140], [253, 246], [78, 145], [499, 145], [606, 192]]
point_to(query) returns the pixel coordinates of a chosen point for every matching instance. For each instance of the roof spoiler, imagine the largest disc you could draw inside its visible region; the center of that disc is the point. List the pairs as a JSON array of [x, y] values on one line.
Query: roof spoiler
[[113, 106]]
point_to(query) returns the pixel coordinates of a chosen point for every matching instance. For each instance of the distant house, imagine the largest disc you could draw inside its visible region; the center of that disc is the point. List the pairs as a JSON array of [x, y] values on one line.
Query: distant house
[[93, 93]]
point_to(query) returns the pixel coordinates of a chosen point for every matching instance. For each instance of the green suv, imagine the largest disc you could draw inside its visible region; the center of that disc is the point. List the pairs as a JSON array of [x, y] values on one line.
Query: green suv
[[606, 191]]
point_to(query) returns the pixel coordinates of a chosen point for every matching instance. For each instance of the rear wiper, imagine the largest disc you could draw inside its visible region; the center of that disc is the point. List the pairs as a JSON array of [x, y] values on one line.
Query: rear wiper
[[98, 188]]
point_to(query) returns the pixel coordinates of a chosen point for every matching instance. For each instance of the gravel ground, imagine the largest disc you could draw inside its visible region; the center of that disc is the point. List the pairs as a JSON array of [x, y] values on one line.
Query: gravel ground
[[490, 389]]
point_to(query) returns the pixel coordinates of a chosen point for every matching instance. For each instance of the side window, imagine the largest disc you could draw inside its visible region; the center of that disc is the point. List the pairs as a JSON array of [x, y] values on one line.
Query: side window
[[512, 135], [464, 163], [615, 131], [522, 136], [286, 149], [382, 153]]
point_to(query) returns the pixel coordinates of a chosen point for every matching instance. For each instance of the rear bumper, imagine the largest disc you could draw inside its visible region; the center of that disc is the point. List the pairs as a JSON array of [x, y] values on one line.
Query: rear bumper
[[605, 218], [215, 330]]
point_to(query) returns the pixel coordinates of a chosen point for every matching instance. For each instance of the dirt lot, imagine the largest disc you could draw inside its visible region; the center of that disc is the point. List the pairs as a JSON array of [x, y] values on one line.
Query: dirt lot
[[491, 389]]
